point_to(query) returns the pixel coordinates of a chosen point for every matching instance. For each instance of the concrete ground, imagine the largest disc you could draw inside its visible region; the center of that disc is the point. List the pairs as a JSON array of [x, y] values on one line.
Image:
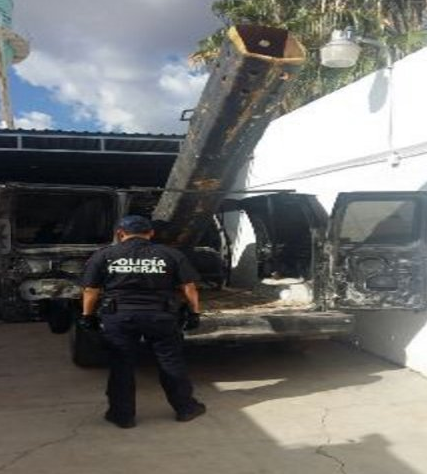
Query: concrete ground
[[331, 410]]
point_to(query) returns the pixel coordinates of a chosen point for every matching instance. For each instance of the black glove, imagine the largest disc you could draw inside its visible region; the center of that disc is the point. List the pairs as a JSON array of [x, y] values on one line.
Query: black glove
[[192, 321], [87, 323]]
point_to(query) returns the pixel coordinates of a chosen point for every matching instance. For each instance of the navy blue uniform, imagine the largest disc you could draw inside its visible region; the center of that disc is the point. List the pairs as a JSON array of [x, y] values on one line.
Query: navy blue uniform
[[141, 278]]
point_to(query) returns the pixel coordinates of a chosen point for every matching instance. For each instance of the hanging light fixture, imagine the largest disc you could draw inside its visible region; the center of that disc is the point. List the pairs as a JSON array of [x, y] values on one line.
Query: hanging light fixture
[[343, 50]]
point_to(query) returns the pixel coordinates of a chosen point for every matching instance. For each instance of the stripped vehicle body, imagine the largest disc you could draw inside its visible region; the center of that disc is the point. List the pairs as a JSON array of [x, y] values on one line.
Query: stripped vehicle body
[[368, 260], [48, 233]]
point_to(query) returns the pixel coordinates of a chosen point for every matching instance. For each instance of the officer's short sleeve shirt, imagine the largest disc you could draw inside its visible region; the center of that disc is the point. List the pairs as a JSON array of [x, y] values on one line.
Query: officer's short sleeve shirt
[[184, 271], [95, 271], [136, 272]]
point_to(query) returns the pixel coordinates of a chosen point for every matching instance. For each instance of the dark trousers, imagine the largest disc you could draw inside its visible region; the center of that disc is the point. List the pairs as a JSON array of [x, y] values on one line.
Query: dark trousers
[[122, 332]]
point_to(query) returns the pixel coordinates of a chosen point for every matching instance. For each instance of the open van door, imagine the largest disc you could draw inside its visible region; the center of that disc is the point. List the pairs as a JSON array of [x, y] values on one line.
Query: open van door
[[289, 229], [377, 251]]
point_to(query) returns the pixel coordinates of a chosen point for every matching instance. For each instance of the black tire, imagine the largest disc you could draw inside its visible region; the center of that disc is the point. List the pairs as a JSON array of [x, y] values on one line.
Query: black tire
[[296, 346], [87, 348], [59, 315]]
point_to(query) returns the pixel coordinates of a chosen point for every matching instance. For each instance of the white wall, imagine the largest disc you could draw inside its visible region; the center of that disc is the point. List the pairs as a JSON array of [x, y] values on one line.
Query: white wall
[[371, 135], [308, 149], [400, 336]]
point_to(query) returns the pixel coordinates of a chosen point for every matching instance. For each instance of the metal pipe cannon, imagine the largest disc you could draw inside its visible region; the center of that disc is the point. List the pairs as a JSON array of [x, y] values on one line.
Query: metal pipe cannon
[[241, 97]]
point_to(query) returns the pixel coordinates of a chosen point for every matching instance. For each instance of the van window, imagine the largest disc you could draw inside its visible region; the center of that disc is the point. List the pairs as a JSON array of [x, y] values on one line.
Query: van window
[[379, 222], [61, 218]]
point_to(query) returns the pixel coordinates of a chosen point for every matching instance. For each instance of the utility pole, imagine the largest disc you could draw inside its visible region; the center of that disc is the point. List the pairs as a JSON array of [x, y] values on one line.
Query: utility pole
[[13, 49]]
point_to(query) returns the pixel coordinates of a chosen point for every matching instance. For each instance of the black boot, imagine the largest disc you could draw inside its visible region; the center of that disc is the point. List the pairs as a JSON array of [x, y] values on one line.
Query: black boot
[[130, 423], [197, 410]]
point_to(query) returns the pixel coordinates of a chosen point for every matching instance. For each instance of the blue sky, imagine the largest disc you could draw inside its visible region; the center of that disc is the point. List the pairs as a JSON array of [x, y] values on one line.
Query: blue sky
[[108, 65], [27, 99]]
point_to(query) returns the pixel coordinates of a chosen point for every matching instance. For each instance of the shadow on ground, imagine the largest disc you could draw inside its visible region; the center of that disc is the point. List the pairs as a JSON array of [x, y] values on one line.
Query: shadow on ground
[[330, 409]]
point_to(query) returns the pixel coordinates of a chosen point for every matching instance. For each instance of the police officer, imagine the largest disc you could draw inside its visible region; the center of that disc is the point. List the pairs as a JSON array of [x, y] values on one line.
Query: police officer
[[139, 279]]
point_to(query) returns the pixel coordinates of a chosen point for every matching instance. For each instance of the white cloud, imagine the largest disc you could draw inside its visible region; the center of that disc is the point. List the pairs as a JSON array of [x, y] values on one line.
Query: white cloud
[[120, 97], [123, 64], [179, 82], [34, 120]]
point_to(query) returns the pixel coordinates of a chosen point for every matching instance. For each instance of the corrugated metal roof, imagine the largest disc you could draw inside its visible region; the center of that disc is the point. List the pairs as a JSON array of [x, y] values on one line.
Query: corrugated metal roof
[[113, 159], [89, 142], [78, 133]]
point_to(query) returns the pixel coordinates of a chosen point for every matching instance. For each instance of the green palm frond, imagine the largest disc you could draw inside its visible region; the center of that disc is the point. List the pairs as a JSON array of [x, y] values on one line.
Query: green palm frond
[[399, 23]]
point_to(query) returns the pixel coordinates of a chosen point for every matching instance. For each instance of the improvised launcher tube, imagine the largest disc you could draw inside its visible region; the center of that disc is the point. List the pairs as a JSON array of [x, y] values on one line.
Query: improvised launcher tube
[[241, 97]]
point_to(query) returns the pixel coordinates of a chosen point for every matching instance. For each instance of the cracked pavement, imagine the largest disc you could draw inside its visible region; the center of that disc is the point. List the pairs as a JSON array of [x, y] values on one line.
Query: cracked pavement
[[330, 410], [323, 449]]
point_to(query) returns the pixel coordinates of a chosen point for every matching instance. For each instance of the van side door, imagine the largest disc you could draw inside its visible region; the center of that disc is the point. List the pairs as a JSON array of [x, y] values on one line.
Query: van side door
[[288, 229], [377, 251]]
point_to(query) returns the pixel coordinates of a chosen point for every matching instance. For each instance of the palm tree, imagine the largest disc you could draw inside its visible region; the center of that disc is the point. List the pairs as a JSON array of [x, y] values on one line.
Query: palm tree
[[399, 23]]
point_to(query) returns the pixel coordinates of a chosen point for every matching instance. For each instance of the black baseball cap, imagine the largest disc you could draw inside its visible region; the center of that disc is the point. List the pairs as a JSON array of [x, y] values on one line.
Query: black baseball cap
[[134, 224]]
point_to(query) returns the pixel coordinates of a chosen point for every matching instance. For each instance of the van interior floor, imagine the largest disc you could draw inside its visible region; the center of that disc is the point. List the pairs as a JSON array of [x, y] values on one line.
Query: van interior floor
[[239, 300]]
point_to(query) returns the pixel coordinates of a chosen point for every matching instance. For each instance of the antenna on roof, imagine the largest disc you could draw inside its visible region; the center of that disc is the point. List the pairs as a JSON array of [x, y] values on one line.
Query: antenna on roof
[[13, 49]]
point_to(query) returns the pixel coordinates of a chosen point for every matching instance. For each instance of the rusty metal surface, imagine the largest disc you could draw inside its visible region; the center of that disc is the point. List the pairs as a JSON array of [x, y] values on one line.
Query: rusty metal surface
[[33, 275], [355, 268], [237, 315], [242, 96], [272, 324], [402, 266]]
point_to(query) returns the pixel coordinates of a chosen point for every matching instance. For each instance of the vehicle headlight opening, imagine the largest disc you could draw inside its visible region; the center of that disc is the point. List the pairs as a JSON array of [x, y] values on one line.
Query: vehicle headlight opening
[[72, 266], [38, 265]]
